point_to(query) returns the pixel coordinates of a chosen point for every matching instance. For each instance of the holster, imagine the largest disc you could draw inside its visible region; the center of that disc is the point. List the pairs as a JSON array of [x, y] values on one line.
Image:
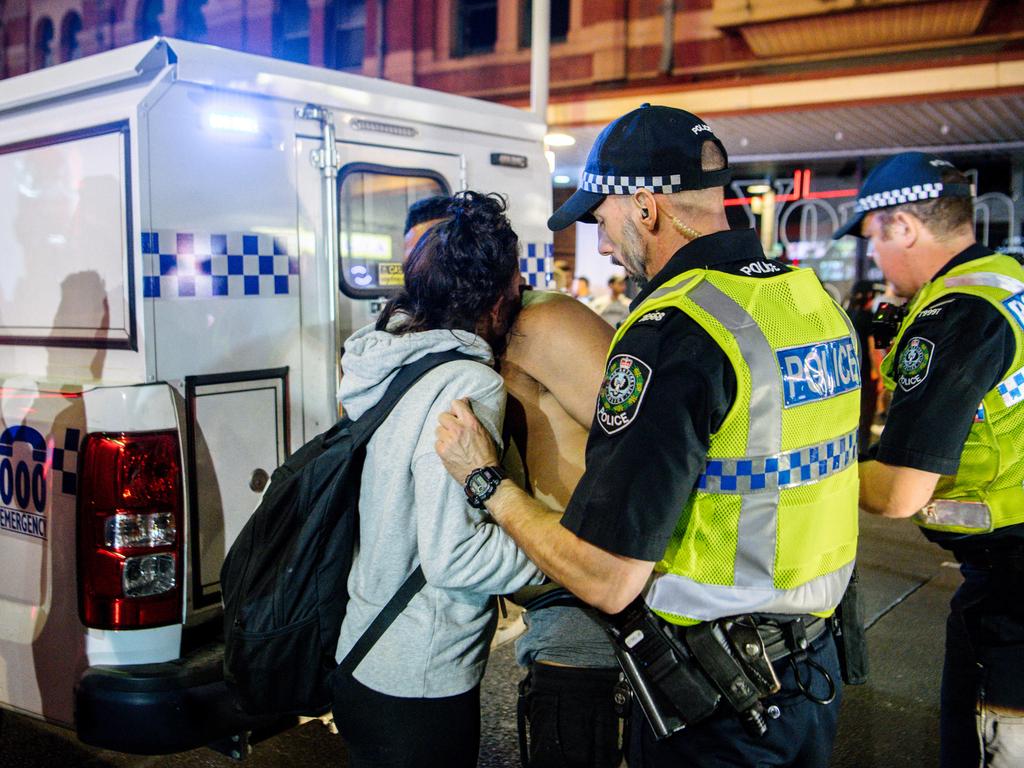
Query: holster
[[847, 625], [666, 682], [680, 675]]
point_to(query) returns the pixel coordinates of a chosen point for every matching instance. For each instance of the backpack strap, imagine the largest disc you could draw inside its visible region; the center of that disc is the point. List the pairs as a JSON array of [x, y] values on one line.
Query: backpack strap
[[413, 584], [362, 429]]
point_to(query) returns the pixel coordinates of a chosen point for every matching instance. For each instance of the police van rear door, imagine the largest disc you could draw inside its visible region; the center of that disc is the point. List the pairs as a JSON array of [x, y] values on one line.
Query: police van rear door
[[374, 189]]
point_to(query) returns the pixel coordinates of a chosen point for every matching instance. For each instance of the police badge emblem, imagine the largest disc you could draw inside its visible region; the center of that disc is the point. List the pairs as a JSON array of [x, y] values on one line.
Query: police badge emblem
[[625, 382], [915, 361]]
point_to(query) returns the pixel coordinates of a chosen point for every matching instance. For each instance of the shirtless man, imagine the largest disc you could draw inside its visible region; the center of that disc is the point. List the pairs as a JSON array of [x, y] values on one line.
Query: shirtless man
[[553, 368]]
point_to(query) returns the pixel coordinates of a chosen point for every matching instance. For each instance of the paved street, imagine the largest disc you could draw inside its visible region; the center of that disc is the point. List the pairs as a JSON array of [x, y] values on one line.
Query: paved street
[[892, 721]]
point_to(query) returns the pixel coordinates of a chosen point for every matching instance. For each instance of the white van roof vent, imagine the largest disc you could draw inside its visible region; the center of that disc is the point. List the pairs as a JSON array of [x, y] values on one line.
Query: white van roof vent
[[379, 127]]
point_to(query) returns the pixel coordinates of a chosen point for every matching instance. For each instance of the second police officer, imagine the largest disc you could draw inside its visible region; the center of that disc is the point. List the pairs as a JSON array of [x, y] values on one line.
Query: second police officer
[[952, 451], [719, 503]]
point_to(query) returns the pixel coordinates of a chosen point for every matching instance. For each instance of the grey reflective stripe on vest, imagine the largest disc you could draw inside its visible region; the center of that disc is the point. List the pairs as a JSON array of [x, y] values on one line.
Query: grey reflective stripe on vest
[[755, 548], [753, 578], [705, 602], [666, 290], [963, 514], [989, 279]]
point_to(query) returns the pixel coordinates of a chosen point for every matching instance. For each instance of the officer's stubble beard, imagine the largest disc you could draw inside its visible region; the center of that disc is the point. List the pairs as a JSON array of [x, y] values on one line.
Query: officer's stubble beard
[[633, 253]]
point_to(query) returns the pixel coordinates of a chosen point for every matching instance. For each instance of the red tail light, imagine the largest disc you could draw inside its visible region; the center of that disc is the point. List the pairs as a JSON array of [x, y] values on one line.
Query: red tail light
[[130, 531]]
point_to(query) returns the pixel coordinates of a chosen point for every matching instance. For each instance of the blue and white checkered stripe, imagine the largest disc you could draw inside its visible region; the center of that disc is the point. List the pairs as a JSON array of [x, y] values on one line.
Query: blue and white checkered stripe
[[180, 265], [784, 470], [627, 185], [537, 265], [65, 461], [1011, 389], [912, 194]]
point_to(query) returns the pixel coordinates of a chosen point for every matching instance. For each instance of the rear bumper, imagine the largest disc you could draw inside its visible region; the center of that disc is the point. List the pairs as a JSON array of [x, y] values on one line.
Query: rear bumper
[[155, 709]]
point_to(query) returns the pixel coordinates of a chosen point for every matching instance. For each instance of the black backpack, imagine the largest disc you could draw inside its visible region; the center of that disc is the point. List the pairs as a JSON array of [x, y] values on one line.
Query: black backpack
[[284, 580]]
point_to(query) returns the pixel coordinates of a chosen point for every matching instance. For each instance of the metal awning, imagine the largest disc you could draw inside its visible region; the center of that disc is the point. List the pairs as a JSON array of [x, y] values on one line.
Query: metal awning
[[983, 123]]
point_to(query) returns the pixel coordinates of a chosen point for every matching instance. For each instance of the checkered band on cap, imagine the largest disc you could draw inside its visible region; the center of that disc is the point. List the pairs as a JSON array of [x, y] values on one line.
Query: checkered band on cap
[[627, 185], [890, 197], [788, 469]]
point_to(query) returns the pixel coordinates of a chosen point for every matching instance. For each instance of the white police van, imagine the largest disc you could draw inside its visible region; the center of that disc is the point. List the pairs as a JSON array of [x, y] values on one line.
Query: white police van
[[187, 235]]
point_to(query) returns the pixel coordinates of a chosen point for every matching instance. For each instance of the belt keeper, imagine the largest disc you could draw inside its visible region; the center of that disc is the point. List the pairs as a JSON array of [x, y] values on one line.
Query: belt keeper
[[795, 635]]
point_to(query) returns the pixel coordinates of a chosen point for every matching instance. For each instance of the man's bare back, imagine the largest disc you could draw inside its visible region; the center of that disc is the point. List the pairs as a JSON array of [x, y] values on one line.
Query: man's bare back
[[553, 368]]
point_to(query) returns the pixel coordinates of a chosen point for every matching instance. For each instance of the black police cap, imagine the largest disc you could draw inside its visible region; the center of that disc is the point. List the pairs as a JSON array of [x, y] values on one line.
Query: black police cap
[[652, 147]]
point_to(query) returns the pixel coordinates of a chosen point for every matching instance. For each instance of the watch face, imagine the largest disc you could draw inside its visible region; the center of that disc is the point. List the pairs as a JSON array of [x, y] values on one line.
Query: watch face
[[478, 484]]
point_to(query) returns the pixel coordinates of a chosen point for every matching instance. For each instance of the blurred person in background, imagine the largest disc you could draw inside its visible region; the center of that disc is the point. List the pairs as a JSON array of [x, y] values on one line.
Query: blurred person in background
[[581, 289], [860, 307], [613, 307]]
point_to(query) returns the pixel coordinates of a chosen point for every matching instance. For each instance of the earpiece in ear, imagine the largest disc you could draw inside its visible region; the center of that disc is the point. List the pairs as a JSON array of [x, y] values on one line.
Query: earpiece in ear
[[644, 213]]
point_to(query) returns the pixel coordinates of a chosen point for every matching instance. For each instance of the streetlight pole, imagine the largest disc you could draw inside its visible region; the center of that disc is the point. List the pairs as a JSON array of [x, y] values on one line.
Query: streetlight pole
[[540, 58]]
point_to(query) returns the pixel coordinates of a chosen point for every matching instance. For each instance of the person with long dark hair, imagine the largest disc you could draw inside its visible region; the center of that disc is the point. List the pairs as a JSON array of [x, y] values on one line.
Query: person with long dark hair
[[414, 700]]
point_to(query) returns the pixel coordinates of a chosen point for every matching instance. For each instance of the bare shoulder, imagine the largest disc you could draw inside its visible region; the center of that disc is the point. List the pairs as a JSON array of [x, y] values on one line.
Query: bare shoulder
[[557, 324], [561, 344]]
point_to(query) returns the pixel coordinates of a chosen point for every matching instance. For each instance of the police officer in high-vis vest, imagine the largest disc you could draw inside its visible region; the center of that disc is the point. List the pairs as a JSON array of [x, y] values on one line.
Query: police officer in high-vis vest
[[716, 522], [952, 451]]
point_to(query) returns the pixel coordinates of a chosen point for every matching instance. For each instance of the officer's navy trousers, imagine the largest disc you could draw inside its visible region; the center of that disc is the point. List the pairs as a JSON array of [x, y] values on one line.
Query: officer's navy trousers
[[982, 721], [801, 736]]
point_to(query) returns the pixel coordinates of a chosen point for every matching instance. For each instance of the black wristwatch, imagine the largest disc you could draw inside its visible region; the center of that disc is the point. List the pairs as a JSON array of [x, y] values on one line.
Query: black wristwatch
[[481, 484]]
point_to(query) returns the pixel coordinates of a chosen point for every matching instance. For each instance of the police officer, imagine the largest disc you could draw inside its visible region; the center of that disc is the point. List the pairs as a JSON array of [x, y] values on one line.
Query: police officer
[[952, 452], [720, 470]]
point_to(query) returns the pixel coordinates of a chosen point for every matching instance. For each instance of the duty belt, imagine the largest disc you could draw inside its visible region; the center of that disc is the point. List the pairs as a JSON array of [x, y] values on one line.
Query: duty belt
[[779, 638], [778, 635]]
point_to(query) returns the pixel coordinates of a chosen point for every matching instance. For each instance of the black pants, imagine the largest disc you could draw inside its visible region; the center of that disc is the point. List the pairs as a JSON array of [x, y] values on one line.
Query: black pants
[[800, 732], [982, 720], [570, 718], [396, 732]]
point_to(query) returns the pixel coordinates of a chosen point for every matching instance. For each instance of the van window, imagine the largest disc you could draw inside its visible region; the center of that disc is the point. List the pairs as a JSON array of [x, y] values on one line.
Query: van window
[[372, 203], [65, 240]]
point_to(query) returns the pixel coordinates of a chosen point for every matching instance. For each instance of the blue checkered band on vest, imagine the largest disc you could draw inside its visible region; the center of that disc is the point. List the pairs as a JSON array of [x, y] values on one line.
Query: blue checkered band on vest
[[912, 194], [627, 185], [788, 469], [1012, 388]]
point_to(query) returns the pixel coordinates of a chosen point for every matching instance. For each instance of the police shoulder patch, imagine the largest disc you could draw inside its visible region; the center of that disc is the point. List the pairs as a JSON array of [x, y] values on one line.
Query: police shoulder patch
[[914, 363], [626, 381]]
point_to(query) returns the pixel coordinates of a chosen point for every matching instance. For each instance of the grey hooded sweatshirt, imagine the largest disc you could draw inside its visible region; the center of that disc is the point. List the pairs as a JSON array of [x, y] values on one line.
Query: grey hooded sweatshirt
[[412, 512]]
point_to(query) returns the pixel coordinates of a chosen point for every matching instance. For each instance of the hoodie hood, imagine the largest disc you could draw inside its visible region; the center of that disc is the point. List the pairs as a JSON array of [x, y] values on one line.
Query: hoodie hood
[[372, 358]]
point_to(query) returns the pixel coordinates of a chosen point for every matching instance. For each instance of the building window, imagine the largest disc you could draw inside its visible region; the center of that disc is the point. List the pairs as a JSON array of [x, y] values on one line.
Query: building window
[[559, 22], [191, 22], [147, 21], [69, 29], [475, 27], [291, 31], [44, 44], [346, 33]]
